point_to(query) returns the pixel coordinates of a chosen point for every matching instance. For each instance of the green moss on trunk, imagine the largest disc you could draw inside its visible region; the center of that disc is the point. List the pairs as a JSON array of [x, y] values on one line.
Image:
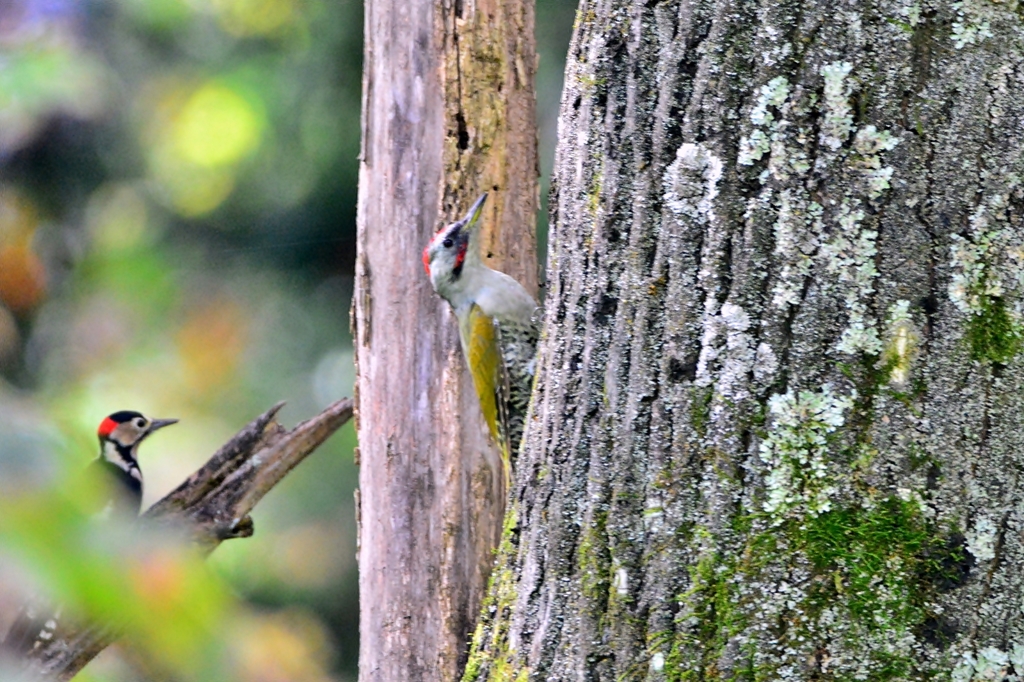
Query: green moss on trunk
[[992, 334]]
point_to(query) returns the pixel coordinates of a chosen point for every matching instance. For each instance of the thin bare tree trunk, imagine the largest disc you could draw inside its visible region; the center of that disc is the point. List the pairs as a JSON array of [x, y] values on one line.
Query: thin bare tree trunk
[[448, 113], [777, 431]]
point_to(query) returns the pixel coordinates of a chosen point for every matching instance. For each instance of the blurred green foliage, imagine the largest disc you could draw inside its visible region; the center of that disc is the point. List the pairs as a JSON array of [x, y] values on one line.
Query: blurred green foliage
[[178, 181]]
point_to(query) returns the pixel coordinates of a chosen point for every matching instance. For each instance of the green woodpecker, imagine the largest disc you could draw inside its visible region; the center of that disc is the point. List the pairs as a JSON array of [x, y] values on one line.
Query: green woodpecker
[[497, 326]]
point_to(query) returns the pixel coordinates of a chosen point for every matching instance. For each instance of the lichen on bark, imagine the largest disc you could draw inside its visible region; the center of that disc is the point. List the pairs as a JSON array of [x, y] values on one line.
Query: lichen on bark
[[778, 420]]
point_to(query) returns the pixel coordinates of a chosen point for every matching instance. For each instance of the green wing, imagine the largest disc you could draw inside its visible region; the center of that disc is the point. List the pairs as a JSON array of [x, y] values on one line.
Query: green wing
[[480, 342]]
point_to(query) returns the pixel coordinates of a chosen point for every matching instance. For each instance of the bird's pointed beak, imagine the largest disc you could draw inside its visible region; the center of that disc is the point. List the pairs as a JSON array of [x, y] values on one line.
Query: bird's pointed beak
[[157, 424], [473, 216]]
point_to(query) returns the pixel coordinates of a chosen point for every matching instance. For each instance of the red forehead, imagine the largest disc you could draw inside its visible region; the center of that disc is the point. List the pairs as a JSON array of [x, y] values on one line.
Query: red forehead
[[106, 427], [426, 249]]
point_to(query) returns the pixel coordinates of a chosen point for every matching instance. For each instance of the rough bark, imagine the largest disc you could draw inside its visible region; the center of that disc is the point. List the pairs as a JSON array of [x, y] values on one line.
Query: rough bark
[[777, 426], [448, 112], [214, 503]]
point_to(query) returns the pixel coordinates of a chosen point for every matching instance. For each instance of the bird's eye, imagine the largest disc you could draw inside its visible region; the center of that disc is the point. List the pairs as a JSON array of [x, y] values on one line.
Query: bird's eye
[[447, 243], [140, 422]]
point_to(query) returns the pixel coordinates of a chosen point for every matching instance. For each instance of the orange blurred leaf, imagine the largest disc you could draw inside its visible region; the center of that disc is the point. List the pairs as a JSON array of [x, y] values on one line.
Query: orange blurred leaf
[[22, 278], [211, 344]]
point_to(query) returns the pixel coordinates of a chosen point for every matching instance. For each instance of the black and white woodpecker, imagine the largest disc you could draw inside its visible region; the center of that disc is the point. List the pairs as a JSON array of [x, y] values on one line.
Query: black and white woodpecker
[[117, 470], [120, 435], [497, 326]]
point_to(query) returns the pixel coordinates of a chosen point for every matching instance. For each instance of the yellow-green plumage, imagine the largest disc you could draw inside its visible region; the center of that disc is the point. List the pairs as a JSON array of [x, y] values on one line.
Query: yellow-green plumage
[[479, 335]]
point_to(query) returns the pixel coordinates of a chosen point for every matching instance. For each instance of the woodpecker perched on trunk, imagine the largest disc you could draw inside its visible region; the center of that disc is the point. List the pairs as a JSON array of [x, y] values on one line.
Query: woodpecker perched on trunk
[[497, 325], [120, 435], [117, 469]]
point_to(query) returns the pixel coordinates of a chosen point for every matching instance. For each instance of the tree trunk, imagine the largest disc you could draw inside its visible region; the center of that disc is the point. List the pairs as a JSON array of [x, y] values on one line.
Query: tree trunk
[[448, 113], [777, 429]]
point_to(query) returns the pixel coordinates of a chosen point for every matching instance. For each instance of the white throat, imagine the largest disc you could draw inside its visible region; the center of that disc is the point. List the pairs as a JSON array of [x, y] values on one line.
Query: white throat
[[497, 294], [112, 453]]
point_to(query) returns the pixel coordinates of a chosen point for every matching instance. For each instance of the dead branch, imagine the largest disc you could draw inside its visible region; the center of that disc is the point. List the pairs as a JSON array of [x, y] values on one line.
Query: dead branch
[[215, 503]]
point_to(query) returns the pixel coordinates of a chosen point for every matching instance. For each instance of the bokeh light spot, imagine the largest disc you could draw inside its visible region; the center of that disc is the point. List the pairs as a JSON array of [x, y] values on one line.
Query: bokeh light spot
[[41, 76], [159, 14], [255, 17], [195, 191], [117, 217], [283, 647], [158, 576], [217, 127], [211, 343]]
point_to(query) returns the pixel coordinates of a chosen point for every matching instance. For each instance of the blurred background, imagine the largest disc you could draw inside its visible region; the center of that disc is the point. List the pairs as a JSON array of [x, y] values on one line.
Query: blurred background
[[178, 183]]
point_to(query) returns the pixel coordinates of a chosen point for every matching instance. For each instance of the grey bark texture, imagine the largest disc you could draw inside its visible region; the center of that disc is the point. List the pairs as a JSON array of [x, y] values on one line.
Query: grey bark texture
[[777, 427], [214, 505], [448, 113]]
